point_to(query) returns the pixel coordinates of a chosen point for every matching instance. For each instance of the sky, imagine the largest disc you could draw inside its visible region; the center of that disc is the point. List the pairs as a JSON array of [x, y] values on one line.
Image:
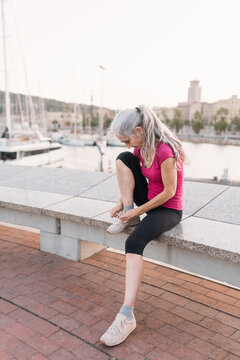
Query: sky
[[151, 50]]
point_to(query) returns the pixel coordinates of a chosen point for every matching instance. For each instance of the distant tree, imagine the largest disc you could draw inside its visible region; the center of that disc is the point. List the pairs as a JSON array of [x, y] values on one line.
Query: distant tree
[[95, 121], [220, 126], [107, 121], [197, 116], [164, 115], [221, 114], [166, 120], [197, 122], [220, 120], [177, 122], [235, 123], [186, 122]]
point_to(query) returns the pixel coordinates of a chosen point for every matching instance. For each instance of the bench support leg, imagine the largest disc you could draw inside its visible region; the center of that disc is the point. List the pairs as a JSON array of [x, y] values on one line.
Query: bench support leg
[[67, 247]]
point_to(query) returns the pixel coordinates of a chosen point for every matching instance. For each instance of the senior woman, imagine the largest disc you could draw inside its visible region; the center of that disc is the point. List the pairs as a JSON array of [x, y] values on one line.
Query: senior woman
[[152, 178]]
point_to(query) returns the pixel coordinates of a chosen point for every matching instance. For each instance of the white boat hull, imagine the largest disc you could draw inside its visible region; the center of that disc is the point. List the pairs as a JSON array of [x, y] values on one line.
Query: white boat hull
[[52, 158]]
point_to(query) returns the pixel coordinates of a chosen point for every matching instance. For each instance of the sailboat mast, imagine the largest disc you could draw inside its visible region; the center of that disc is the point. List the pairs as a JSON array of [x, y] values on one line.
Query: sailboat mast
[[7, 97], [74, 104], [75, 118]]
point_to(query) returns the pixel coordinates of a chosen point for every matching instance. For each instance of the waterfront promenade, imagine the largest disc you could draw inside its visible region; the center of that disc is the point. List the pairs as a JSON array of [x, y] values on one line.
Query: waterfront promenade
[[54, 308]]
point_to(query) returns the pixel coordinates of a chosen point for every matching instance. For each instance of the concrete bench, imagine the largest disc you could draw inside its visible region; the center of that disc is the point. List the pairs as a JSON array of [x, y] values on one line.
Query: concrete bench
[[73, 215]]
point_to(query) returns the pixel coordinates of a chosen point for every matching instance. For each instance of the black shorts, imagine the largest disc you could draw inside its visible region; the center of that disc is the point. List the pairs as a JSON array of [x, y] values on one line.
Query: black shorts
[[157, 220]]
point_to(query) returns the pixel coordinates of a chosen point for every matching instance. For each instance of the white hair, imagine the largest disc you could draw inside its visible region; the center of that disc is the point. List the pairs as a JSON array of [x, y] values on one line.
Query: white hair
[[154, 131]]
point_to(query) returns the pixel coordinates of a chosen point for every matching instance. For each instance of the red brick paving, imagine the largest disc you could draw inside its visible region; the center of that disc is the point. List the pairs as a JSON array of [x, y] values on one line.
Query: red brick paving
[[56, 309]]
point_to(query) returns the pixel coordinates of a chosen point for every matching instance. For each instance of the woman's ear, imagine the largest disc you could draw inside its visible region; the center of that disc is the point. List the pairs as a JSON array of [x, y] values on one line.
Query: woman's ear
[[138, 131]]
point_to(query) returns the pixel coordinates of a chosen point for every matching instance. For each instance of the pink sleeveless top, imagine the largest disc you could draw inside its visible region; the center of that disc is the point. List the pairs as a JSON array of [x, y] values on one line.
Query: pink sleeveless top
[[153, 174]]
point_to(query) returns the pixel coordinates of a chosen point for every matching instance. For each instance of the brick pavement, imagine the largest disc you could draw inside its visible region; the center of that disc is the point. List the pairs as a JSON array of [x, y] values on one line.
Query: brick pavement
[[56, 309]]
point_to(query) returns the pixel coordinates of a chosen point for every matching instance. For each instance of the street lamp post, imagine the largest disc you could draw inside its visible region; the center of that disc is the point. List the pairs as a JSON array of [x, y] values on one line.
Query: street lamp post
[[101, 113], [101, 122], [7, 96]]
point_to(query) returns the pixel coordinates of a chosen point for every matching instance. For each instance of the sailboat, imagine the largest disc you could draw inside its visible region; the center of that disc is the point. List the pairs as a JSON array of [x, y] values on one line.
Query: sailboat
[[73, 139], [76, 139], [29, 146]]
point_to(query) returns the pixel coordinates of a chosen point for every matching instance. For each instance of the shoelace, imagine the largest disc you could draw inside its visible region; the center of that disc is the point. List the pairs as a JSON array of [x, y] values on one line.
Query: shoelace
[[117, 326], [117, 220], [119, 214]]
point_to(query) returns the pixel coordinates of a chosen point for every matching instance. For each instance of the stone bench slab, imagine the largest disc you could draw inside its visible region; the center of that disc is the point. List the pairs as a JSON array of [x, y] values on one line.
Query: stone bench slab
[[226, 207], [55, 180], [28, 200]]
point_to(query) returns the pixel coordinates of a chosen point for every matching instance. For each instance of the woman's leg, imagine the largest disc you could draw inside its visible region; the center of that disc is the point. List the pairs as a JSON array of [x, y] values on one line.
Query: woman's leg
[[129, 173], [132, 184], [126, 182], [125, 321], [134, 274], [133, 188], [153, 225]]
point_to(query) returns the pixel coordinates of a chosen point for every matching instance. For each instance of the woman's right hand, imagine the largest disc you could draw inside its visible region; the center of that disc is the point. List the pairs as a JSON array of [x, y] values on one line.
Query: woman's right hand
[[114, 212]]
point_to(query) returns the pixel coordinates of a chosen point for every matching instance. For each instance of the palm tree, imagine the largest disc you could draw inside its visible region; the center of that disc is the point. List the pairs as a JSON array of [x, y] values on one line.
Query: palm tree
[[221, 114], [235, 124], [197, 123], [220, 120], [165, 117], [177, 122]]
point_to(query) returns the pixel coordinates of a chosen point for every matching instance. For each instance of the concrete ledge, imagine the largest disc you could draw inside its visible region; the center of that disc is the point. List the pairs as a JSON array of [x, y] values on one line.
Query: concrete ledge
[[200, 263], [20, 217]]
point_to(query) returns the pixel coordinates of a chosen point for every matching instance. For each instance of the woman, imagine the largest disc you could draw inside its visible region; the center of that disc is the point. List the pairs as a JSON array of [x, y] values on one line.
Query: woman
[[158, 156]]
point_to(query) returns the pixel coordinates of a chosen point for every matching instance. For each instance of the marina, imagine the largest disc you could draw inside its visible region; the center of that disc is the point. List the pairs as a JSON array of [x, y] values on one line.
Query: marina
[[21, 143], [203, 158]]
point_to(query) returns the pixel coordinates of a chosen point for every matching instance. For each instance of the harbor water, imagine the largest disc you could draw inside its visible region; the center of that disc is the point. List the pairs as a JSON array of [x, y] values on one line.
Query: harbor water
[[206, 160]]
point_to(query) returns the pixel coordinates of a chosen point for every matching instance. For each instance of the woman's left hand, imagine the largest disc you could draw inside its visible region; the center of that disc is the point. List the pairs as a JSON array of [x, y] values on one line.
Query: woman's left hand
[[129, 215]]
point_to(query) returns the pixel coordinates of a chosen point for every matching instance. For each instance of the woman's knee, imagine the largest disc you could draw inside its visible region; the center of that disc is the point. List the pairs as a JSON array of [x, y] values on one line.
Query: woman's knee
[[132, 246], [128, 159], [125, 156]]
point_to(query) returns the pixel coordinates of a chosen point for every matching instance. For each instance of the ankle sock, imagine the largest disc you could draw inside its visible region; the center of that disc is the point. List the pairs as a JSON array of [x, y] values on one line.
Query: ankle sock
[[127, 207], [127, 311]]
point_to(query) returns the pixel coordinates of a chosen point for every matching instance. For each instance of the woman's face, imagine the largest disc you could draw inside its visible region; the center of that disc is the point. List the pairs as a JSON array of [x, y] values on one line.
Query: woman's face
[[135, 140]]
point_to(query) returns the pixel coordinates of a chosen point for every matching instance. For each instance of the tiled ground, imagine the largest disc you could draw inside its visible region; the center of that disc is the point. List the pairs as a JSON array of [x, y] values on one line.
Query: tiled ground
[[56, 309]]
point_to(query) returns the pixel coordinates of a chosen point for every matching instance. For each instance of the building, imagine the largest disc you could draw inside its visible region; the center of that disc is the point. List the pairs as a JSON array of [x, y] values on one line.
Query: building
[[194, 92], [194, 103], [232, 104]]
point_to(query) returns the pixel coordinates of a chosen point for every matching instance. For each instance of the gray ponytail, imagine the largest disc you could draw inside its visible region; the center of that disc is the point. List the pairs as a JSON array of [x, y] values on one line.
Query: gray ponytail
[[154, 131]]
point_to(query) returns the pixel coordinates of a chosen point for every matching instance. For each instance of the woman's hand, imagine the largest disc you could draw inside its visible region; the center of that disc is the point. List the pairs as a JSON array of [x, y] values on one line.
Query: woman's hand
[[114, 212], [129, 215]]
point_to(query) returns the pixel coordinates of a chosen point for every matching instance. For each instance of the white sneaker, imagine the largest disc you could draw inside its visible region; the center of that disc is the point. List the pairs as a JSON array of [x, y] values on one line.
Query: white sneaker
[[119, 225], [119, 330]]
